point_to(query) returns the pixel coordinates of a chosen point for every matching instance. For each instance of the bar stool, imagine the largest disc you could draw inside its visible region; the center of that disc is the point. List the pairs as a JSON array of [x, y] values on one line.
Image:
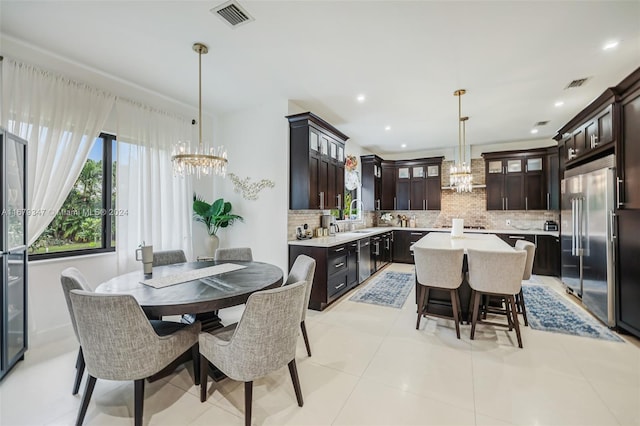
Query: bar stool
[[530, 248]]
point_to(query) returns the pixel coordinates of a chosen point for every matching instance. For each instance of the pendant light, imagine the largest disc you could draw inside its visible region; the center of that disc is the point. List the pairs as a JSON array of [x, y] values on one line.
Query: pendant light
[[460, 177], [198, 160]]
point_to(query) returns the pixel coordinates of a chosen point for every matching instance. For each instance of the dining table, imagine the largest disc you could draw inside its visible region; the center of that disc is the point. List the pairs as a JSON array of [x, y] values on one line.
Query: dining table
[[439, 300], [196, 299]]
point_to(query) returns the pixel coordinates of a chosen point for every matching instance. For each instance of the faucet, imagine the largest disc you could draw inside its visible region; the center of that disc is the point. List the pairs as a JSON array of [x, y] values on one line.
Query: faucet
[[352, 217]]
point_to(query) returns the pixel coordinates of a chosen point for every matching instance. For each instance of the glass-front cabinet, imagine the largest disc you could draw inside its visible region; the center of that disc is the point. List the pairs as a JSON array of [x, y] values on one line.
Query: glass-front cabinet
[[13, 231]]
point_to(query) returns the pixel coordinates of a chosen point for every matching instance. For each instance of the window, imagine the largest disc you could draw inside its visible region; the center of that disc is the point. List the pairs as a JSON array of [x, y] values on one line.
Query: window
[[86, 221]]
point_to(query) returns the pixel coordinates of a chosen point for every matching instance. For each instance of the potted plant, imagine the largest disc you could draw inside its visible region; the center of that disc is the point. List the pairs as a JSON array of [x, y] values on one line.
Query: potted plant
[[215, 216]]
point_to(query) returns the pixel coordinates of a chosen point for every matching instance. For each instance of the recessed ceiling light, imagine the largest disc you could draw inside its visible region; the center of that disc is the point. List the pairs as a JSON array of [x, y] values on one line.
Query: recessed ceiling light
[[610, 45], [404, 145], [558, 104], [361, 98], [534, 131], [387, 128]]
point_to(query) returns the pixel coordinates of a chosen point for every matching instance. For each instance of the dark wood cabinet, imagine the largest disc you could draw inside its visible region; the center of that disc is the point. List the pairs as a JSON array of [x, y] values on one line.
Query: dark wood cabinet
[[388, 186], [336, 271], [516, 180], [381, 251], [401, 185], [402, 242], [547, 259], [316, 159], [552, 177], [371, 182], [628, 213]]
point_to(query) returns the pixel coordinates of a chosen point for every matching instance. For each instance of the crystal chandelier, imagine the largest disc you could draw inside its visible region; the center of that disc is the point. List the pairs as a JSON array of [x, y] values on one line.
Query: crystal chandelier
[[198, 160], [460, 177]]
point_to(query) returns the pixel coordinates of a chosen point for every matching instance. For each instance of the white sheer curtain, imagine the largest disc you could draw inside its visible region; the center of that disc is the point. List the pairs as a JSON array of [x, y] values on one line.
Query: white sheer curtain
[[156, 204], [60, 119]]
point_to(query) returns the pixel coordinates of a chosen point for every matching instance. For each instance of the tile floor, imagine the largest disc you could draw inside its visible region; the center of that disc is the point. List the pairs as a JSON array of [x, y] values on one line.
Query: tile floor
[[370, 366]]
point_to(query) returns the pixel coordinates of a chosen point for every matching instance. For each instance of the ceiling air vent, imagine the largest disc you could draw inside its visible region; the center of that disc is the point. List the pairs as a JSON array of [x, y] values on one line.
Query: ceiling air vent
[[232, 13], [577, 83], [541, 123]]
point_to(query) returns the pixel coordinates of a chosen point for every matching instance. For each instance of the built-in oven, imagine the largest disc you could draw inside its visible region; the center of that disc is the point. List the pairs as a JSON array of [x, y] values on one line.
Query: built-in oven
[[364, 259]]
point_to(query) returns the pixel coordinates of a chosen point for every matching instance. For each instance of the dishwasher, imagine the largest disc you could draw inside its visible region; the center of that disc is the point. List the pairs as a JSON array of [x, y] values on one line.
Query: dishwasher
[[364, 259]]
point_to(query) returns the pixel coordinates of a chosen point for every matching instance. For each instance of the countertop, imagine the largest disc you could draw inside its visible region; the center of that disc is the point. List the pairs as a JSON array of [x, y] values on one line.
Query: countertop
[[345, 237]]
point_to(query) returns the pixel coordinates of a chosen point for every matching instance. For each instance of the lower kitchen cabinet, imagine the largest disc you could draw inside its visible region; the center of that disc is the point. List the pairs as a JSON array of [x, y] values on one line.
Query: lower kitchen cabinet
[[402, 242], [336, 271], [547, 258], [381, 251]]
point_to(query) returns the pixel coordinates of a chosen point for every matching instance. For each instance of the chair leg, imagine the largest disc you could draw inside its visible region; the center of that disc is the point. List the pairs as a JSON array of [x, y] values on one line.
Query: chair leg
[[248, 396], [420, 300], [474, 314], [303, 327], [512, 301], [204, 373], [296, 382], [79, 371], [456, 316], [138, 396], [459, 307], [195, 356], [523, 307], [88, 390]]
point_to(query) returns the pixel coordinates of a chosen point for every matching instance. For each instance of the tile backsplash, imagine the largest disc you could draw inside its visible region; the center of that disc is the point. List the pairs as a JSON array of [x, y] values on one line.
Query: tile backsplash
[[472, 207]]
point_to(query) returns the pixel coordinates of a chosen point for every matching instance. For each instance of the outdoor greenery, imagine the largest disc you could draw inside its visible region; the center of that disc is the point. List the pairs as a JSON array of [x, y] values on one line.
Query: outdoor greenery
[[78, 223]]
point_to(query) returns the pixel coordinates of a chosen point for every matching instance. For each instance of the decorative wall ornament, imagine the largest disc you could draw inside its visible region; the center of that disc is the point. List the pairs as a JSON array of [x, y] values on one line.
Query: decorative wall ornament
[[249, 190]]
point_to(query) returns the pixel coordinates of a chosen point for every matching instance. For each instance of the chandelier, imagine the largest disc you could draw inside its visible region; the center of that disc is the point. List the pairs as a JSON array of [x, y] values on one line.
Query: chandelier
[[198, 160], [460, 177]]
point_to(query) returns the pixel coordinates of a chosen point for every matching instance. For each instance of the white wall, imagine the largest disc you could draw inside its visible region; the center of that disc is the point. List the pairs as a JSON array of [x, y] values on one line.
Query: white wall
[[257, 142]]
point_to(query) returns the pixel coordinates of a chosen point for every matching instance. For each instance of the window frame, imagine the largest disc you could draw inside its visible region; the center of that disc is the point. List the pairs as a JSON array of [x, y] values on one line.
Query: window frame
[[107, 185]]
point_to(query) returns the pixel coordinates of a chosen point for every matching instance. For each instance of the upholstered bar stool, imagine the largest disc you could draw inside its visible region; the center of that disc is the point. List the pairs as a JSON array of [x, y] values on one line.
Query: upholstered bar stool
[[496, 273], [439, 269], [530, 248]]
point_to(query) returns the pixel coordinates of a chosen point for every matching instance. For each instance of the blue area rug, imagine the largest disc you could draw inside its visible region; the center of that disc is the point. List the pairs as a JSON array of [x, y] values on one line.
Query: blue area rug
[[387, 289], [548, 311]]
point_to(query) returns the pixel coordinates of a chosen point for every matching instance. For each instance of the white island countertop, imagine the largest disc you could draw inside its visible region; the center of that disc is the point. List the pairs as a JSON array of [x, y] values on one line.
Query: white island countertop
[[441, 240], [345, 237]]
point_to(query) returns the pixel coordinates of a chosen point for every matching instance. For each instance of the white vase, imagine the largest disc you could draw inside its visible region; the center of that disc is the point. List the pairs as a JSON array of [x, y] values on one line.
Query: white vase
[[212, 243]]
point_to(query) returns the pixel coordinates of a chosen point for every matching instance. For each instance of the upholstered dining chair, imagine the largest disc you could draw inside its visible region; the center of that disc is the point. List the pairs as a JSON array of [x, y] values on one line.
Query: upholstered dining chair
[[530, 248], [168, 257], [72, 279], [241, 254], [119, 343], [264, 340], [439, 269], [303, 269], [496, 273]]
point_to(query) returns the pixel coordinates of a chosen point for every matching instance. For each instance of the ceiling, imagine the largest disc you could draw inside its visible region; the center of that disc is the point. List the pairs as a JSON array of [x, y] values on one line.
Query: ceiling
[[514, 59]]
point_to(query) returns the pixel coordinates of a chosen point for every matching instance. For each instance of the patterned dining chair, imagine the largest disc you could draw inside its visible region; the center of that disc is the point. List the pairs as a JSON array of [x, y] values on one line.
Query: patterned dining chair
[[168, 257], [303, 269], [72, 279], [496, 273], [240, 254], [439, 269], [263, 341], [119, 343]]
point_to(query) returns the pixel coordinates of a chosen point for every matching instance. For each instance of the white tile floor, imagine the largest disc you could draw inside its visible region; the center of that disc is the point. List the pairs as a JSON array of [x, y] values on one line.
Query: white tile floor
[[369, 367]]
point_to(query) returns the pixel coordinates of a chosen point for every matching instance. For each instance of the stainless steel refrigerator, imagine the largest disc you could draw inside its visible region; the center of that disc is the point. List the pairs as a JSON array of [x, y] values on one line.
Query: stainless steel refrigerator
[[587, 235]]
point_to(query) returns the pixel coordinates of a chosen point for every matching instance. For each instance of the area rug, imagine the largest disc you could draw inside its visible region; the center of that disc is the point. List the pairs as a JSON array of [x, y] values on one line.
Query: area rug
[[548, 311], [387, 289]]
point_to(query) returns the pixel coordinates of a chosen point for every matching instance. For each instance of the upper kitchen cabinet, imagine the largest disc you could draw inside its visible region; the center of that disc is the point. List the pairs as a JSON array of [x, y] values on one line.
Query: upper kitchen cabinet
[[316, 163], [517, 180], [388, 181], [371, 182], [591, 132], [552, 176]]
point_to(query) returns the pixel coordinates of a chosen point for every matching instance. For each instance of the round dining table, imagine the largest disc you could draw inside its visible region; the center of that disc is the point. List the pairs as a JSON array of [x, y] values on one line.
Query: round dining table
[[204, 295]]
